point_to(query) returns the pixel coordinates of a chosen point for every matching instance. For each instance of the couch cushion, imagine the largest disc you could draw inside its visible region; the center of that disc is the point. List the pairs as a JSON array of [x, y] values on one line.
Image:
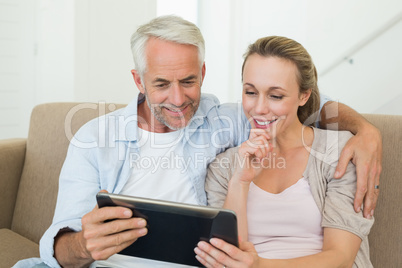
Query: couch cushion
[[12, 155], [14, 247], [386, 234], [50, 129]]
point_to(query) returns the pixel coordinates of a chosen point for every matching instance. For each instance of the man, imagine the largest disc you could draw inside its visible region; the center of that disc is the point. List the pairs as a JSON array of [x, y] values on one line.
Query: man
[[170, 119]]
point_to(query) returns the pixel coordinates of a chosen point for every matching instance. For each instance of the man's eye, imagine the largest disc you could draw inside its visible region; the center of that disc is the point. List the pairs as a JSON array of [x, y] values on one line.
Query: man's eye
[[188, 83], [161, 85]]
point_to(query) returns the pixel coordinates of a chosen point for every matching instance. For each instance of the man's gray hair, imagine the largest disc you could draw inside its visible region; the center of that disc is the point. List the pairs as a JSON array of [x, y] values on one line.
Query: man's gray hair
[[169, 28]]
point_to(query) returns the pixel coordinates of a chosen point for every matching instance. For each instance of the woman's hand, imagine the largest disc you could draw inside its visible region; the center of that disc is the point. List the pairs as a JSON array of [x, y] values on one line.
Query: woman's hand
[[248, 165], [222, 254], [251, 153]]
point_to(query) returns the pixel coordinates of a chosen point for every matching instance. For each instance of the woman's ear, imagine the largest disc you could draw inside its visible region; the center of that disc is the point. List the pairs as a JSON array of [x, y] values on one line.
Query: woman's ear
[[304, 97]]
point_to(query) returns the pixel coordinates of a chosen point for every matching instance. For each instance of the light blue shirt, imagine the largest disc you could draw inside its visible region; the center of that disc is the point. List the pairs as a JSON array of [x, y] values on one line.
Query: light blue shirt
[[100, 157]]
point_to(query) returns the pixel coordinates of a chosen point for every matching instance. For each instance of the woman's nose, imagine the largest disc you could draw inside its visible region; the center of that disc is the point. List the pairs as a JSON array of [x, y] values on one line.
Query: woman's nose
[[262, 106]]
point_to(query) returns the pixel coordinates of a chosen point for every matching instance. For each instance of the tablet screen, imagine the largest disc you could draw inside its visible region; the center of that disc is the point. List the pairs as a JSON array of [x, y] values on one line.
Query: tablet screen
[[174, 229]]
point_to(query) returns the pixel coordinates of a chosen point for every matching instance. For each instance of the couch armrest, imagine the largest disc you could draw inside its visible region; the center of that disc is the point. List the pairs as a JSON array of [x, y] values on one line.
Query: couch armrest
[[12, 157]]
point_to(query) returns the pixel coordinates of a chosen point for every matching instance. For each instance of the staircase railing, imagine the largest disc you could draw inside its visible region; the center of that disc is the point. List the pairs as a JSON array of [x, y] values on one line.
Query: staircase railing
[[364, 42]]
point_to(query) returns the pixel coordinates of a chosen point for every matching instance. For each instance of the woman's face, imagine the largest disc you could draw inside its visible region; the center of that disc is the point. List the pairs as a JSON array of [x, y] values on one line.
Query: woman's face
[[271, 94]]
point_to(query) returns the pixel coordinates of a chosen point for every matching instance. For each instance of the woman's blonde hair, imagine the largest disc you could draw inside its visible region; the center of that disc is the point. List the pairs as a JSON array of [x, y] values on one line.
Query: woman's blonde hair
[[285, 48]]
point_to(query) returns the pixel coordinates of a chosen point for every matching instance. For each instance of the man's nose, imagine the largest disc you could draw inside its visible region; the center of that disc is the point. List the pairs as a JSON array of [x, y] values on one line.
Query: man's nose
[[177, 96]]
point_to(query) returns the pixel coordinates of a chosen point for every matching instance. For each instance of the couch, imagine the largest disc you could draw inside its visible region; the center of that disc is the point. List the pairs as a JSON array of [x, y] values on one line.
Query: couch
[[29, 171]]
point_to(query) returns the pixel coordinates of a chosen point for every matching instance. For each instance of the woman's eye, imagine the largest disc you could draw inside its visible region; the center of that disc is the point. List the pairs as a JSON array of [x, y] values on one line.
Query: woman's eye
[[250, 93], [277, 97]]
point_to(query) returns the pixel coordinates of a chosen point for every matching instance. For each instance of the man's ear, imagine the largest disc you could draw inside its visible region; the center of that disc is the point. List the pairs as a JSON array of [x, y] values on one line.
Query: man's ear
[[137, 80], [203, 70], [304, 97]]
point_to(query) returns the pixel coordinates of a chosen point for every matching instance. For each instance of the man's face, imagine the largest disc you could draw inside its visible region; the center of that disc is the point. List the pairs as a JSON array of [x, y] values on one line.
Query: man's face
[[172, 83]]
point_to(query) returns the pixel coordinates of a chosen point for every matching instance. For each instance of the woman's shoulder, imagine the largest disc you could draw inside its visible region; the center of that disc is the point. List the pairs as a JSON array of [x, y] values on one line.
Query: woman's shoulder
[[225, 161], [229, 153], [328, 145], [219, 173], [326, 139]]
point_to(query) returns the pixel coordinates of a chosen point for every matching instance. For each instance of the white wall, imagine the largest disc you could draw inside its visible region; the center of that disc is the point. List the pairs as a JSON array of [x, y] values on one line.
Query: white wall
[[215, 22], [370, 79], [79, 50], [330, 30], [58, 51], [103, 59], [16, 66], [54, 51], [84, 49]]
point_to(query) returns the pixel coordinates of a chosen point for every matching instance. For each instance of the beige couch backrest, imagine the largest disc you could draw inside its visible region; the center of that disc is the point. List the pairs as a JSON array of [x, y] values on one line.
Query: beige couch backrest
[[46, 150], [386, 235]]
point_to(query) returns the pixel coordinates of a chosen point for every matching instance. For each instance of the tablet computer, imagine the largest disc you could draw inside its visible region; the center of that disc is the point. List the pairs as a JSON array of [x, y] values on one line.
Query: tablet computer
[[174, 229]]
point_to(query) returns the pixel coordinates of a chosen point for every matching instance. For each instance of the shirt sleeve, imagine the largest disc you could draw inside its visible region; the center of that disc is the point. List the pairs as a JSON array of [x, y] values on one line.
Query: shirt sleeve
[[78, 185], [323, 99]]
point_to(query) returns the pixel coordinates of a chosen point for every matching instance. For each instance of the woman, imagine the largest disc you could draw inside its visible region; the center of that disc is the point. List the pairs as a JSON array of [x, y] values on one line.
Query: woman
[[280, 182]]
